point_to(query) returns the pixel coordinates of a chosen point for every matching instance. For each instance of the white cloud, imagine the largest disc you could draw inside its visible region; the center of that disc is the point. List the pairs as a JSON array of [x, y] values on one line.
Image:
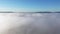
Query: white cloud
[[13, 23]]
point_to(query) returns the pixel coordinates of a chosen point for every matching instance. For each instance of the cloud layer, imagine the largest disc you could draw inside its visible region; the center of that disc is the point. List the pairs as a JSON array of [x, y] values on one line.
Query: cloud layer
[[29, 23]]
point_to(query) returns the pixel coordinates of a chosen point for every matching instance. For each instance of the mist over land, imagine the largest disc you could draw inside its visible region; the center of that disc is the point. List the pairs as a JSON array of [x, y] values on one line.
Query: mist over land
[[29, 23]]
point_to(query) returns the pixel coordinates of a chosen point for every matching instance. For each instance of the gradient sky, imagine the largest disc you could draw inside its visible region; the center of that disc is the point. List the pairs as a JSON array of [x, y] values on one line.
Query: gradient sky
[[29, 5]]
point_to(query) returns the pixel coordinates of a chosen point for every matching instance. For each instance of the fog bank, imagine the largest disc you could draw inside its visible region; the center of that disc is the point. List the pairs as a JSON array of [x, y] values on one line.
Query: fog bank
[[29, 23]]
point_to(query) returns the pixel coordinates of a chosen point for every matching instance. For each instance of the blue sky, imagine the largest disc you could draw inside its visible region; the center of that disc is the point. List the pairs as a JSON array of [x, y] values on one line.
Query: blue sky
[[29, 5]]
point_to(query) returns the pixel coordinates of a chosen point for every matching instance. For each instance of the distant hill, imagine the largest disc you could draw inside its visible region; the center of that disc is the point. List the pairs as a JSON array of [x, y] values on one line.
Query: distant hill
[[49, 12], [30, 12], [6, 12]]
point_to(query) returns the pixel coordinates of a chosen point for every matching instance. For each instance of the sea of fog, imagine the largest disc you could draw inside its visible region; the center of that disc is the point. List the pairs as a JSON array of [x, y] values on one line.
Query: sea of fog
[[29, 23]]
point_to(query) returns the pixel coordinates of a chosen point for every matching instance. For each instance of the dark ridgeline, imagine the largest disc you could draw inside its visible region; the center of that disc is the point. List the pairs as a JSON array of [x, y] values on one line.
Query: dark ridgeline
[[57, 11], [41, 12], [44, 12], [6, 12], [48, 12], [30, 12]]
